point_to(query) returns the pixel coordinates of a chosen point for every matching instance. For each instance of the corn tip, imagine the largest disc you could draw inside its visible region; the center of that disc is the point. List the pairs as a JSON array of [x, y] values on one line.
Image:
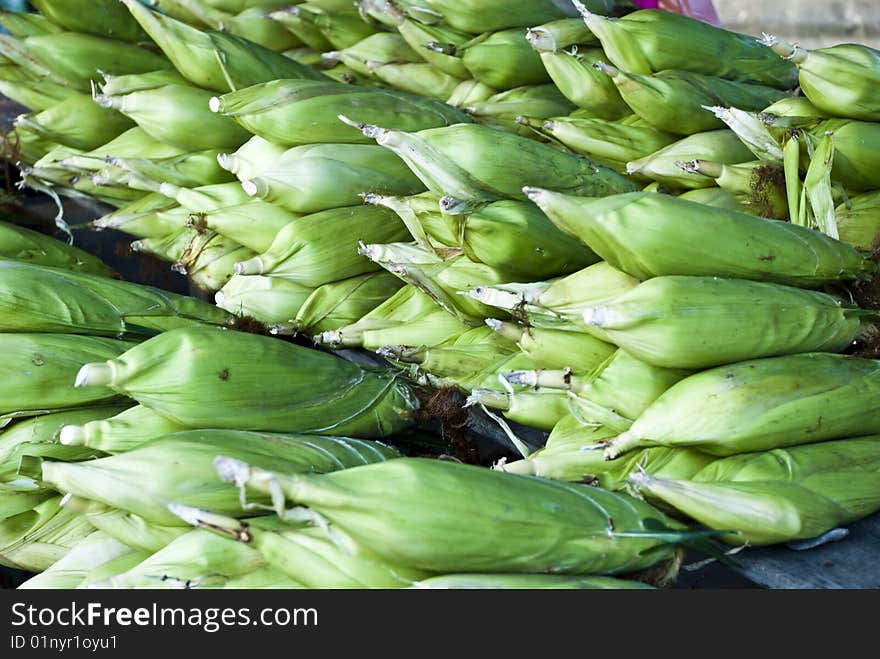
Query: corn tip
[[98, 374], [214, 104], [72, 436]]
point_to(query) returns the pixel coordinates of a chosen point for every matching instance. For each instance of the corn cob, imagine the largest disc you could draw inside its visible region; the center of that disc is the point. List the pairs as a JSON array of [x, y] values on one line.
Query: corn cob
[[130, 529], [470, 162], [341, 25], [537, 409], [103, 18], [310, 251], [674, 101], [859, 222], [343, 302], [610, 142], [35, 93], [504, 108], [503, 60], [418, 78], [559, 34], [309, 555], [35, 539], [717, 145], [855, 153], [133, 143], [625, 230], [577, 77], [302, 25], [312, 178], [409, 317], [22, 24], [717, 198], [252, 158], [39, 368], [555, 349], [75, 59], [20, 498], [761, 185], [838, 80], [648, 323], [256, 25], [93, 555], [213, 60], [437, 44], [189, 170], [152, 224], [178, 115], [365, 403], [285, 111], [559, 304], [127, 430], [77, 122], [206, 198], [140, 481], [768, 512], [55, 300], [25, 245], [40, 435], [269, 300], [505, 510], [526, 582], [650, 41], [468, 92], [198, 559], [375, 50], [749, 416], [210, 264]]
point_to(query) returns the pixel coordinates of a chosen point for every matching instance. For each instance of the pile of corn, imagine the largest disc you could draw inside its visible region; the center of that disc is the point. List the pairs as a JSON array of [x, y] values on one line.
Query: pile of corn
[[649, 237]]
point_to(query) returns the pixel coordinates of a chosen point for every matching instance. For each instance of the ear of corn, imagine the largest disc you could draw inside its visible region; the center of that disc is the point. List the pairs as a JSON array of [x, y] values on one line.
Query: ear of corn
[[855, 152], [858, 222], [309, 250], [343, 302], [468, 92], [583, 84], [75, 59], [762, 512], [189, 170], [717, 198], [838, 80], [292, 112], [92, 555], [312, 178], [301, 24], [759, 184], [130, 529], [126, 430], [269, 300], [198, 559], [375, 50], [310, 555], [35, 93], [562, 33], [505, 510], [674, 100], [55, 300], [470, 162], [716, 145], [476, 17], [207, 197], [25, 245], [503, 60], [437, 44], [632, 232], [762, 404], [77, 122], [23, 24], [213, 60], [538, 409], [139, 481], [38, 369], [105, 18], [178, 115], [759, 320], [341, 25], [652, 40], [35, 539], [234, 383], [505, 108], [613, 143], [252, 158], [556, 349]]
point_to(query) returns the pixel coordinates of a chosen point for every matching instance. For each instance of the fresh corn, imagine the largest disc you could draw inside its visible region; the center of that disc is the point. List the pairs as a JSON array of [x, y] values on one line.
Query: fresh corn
[[576, 76], [269, 300], [143, 481], [473, 163], [217, 378], [252, 158], [761, 185], [505, 108], [312, 178], [675, 101], [311, 250], [653, 40], [733, 320], [292, 112], [127, 430], [537, 409], [633, 232], [103, 18], [556, 349], [28, 246], [505, 513], [859, 221], [559, 34], [762, 404], [77, 122]]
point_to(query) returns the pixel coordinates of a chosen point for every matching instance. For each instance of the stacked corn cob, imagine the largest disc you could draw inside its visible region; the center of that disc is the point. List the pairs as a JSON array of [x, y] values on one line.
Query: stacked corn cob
[[680, 342]]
